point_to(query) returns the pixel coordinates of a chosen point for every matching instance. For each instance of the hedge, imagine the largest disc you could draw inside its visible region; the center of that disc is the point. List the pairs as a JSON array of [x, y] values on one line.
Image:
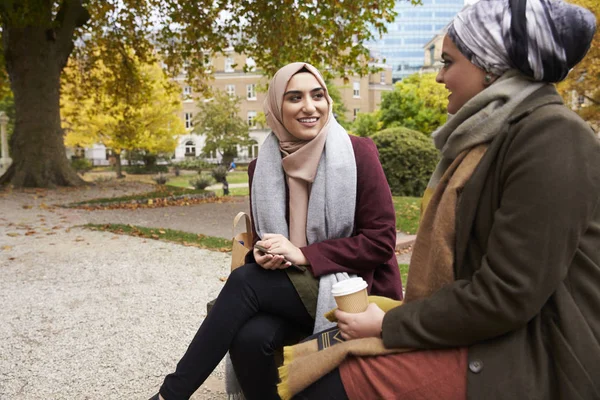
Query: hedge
[[408, 158]]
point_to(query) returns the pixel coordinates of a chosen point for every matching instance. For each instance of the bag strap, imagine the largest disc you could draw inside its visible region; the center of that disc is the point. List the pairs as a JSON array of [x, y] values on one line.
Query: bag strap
[[236, 220]]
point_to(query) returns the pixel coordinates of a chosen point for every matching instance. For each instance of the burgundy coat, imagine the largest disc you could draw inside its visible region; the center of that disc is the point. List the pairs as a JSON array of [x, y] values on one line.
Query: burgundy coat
[[369, 252]]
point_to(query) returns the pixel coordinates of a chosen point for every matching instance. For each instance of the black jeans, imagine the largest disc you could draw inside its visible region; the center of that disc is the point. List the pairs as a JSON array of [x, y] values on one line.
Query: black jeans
[[254, 312]]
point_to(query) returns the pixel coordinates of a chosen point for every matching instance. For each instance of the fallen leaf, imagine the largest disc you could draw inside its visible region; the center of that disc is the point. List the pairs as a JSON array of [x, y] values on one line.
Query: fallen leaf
[[154, 236], [223, 278], [79, 239], [13, 234], [6, 248], [162, 232], [27, 207], [12, 258]]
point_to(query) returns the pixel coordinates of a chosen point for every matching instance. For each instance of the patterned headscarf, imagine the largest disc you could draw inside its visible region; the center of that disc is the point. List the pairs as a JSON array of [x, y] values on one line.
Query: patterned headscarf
[[543, 39]]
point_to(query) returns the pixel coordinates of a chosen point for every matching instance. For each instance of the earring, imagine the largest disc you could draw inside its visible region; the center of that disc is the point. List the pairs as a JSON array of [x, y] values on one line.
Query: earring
[[487, 78]]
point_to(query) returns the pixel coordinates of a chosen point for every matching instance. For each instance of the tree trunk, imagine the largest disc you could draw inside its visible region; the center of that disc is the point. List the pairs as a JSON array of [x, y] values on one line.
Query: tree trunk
[[118, 168], [35, 56]]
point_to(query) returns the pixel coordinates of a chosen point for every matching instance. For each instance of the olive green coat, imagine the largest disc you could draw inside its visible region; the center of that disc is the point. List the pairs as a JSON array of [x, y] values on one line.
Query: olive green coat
[[526, 299]]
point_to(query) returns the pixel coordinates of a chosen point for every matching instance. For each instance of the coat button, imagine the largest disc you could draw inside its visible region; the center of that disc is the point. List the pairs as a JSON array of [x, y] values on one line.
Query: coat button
[[476, 366]]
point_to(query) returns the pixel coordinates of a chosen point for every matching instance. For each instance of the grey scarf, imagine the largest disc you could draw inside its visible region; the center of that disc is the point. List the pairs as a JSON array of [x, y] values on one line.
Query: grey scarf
[[331, 205], [480, 119], [331, 210]]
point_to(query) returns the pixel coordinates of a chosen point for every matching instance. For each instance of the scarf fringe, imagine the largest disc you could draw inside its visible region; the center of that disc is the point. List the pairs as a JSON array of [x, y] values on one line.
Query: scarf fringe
[[283, 388]]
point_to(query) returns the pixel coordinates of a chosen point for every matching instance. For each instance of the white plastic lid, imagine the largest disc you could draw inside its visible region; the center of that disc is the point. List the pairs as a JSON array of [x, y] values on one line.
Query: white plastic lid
[[348, 286]]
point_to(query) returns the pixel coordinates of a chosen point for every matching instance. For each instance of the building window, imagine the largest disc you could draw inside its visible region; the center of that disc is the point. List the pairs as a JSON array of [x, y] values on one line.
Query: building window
[[253, 151], [356, 111], [581, 100], [190, 148], [229, 64], [382, 78], [80, 152], [252, 119], [230, 90], [250, 64], [187, 90], [356, 92], [188, 120], [108, 154], [251, 91]]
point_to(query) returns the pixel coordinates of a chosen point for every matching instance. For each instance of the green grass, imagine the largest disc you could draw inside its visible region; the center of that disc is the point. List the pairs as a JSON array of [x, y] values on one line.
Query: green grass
[[184, 181], [407, 213], [181, 181], [234, 192], [403, 273], [167, 235], [159, 193]]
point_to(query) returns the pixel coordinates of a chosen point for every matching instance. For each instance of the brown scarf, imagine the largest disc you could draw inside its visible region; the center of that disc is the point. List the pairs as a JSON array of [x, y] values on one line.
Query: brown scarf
[[432, 261], [431, 268]]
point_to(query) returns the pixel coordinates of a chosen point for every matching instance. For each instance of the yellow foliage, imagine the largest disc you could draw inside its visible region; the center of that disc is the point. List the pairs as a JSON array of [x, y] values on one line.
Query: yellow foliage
[[141, 114], [584, 78]]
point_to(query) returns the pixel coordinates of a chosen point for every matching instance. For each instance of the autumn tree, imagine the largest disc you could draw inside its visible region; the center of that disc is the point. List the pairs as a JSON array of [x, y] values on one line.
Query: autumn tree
[[218, 121], [140, 115], [583, 81], [38, 39], [418, 102], [366, 124]]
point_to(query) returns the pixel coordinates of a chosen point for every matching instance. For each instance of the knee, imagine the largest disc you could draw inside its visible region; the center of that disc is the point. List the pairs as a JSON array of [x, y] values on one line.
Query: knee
[[252, 340], [244, 274]]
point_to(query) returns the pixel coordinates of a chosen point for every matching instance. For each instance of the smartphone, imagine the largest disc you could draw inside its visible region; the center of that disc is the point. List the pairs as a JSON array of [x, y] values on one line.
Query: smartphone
[[266, 251]]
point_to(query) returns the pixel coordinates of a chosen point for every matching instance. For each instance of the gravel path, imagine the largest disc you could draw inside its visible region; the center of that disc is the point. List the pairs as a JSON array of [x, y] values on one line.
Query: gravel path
[[93, 315]]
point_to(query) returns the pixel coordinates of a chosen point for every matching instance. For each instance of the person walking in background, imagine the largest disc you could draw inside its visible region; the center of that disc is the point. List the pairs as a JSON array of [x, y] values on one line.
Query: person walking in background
[[322, 210], [502, 295]]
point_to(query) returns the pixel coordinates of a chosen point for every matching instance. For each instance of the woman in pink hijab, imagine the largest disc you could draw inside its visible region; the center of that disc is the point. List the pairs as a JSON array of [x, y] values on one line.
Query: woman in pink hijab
[[322, 211]]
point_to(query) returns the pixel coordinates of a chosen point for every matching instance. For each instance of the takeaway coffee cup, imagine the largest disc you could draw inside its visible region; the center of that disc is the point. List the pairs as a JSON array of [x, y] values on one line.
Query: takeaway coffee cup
[[351, 295]]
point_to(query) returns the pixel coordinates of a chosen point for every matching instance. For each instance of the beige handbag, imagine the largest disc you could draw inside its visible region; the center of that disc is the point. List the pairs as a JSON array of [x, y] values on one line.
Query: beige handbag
[[242, 242]]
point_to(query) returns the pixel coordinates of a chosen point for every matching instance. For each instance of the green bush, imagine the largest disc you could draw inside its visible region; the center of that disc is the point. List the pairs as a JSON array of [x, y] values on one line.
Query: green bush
[[193, 165], [408, 158], [201, 182], [219, 173], [160, 179], [81, 165], [142, 169]]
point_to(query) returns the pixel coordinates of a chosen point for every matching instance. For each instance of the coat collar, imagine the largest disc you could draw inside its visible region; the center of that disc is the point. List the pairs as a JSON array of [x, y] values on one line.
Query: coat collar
[[545, 95]]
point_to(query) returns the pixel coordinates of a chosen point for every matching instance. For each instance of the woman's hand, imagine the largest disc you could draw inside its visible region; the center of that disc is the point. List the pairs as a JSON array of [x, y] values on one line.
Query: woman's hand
[[269, 261], [280, 245], [360, 325]]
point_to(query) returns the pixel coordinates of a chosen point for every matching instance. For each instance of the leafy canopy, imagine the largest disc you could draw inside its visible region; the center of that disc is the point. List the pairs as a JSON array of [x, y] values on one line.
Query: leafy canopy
[[137, 115], [417, 102], [273, 33]]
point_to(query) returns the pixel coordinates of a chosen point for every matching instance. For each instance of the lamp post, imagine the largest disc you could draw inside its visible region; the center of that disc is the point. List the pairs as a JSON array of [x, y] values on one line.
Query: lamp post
[[5, 159]]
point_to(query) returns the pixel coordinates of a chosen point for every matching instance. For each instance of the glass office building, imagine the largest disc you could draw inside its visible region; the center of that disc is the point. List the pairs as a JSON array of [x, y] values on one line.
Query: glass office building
[[402, 45]]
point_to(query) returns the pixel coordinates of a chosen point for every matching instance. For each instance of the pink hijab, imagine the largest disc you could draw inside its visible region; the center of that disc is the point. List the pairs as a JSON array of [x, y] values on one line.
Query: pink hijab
[[300, 157]]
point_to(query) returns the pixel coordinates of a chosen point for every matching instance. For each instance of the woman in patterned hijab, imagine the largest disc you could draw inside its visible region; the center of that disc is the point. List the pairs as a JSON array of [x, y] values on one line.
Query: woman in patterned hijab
[[502, 293]]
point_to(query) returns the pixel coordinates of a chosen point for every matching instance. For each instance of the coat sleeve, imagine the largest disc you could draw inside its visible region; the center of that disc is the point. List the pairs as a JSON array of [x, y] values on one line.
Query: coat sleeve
[[549, 188], [374, 239]]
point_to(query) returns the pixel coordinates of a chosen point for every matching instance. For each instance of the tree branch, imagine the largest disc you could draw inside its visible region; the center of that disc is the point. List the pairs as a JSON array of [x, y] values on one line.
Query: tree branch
[[71, 15], [591, 99]]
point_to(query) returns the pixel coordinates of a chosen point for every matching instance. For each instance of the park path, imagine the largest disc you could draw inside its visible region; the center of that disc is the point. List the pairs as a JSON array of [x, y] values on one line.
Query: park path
[[93, 315]]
